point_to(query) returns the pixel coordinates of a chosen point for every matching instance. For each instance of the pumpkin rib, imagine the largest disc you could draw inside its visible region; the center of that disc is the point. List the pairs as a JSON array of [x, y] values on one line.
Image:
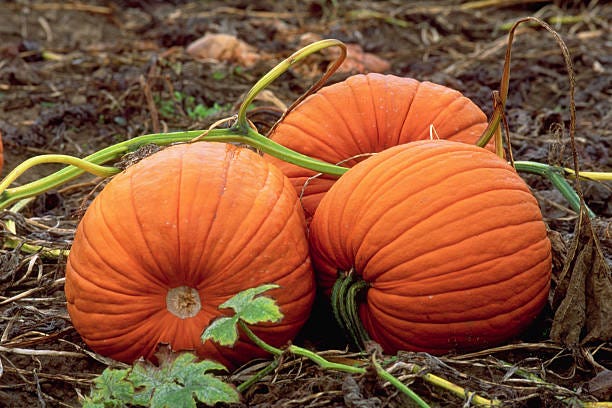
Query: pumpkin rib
[[251, 210], [106, 333], [409, 231], [446, 208], [423, 168], [401, 302], [423, 97], [220, 278], [457, 133], [319, 148], [104, 261], [215, 211], [426, 216], [444, 319], [370, 110], [160, 270], [346, 122], [374, 119], [115, 289], [414, 279], [450, 331], [177, 215], [406, 124], [152, 278], [191, 266]]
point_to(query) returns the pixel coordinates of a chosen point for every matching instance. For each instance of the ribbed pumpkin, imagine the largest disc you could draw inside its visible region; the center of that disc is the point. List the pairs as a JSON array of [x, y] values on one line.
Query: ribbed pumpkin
[[368, 114], [177, 234], [448, 241]]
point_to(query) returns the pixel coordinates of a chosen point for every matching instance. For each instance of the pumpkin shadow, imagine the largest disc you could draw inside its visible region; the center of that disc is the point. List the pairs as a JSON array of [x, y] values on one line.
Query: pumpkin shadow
[[321, 331]]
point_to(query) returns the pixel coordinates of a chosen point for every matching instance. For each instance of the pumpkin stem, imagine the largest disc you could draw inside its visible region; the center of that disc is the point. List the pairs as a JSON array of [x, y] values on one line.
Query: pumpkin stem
[[347, 292], [183, 302]]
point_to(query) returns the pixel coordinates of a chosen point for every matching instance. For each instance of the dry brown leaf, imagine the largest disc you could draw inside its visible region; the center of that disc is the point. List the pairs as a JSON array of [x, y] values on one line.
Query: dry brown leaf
[[357, 61], [360, 62], [601, 385], [581, 300], [223, 47]]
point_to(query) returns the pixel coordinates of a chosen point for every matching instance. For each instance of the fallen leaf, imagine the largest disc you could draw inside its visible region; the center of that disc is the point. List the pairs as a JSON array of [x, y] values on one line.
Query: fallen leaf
[[601, 385], [357, 61], [223, 48], [360, 62], [581, 300]]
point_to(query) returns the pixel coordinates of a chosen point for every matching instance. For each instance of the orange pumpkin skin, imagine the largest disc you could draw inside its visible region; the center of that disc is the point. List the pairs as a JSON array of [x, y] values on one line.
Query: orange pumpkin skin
[[450, 240], [209, 216], [368, 114]]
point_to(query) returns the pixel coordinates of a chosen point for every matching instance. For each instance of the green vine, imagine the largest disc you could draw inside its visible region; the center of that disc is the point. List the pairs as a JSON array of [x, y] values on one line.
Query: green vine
[[240, 132]]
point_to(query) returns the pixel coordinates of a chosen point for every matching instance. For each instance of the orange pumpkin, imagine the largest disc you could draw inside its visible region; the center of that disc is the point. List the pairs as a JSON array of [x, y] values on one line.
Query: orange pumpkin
[[368, 114], [446, 238], [174, 236]]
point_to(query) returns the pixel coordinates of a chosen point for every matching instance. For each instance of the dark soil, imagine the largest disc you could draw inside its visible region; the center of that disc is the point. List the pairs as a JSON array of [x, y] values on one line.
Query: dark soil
[[74, 78]]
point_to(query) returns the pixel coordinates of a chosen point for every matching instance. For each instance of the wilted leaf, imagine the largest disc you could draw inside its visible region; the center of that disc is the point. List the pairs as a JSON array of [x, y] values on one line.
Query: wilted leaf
[[357, 60], [360, 62], [582, 296], [601, 385], [223, 47]]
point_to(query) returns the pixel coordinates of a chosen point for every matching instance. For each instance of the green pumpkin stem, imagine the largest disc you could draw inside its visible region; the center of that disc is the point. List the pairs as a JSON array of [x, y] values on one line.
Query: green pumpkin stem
[[346, 295]]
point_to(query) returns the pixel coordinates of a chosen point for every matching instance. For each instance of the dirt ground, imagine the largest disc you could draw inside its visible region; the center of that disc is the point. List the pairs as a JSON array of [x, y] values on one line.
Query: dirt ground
[[75, 77]]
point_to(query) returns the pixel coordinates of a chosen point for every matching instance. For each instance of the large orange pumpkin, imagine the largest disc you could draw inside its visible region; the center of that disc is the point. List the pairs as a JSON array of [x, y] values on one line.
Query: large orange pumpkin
[[177, 234], [368, 114], [446, 239]]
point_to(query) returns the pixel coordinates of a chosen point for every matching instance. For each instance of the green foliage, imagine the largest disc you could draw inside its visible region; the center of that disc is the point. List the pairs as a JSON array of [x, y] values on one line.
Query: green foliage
[[195, 111], [111, 389], [178, 381], [248, 307]]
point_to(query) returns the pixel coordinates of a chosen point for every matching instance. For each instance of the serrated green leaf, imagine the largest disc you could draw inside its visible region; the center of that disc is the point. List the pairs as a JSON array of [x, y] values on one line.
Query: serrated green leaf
[[112, 388], [172, 395], [215, 391], [222, 331], [90, 403], [261, 309], [243, 300], [179, 381]]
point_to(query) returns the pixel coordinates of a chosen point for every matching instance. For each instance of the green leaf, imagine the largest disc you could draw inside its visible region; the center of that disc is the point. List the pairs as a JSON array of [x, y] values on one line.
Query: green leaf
[[244, 300], [261, 309], [223, 331], [111, 388], [248, 308], [179, 381]]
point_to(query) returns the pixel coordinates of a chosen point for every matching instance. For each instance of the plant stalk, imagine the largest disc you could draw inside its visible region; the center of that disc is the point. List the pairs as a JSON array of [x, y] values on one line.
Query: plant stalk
[[554, 174], [92, 162], [344, 301]]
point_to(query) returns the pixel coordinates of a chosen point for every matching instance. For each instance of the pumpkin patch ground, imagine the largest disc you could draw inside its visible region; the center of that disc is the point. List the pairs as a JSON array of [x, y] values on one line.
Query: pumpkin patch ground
[[76, 77]]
